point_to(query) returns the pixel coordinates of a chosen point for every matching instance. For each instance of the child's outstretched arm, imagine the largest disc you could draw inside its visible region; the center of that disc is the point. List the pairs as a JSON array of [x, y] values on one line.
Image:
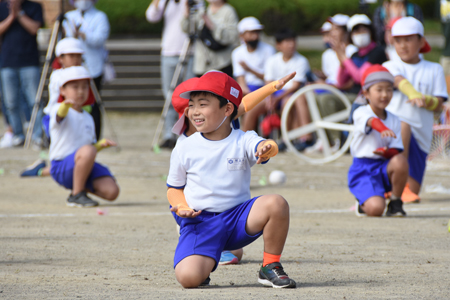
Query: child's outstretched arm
[[416, 98], [179, 204], [377, 125], [254, 98], [104, 143], [266, 150], [63, 110]]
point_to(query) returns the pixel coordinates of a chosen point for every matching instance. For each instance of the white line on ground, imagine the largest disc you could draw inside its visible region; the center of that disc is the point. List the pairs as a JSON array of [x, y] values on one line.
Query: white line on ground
[[119, 214]]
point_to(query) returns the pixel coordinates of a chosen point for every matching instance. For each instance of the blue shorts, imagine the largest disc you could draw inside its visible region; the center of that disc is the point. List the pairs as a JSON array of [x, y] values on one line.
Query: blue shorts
[[62, 172], [211, 233], [417, 160], [46, 124], [368, 177]]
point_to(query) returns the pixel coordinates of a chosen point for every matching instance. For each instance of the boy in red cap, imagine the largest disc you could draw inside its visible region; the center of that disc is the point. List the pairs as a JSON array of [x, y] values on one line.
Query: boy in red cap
[[209, 188], [422, 89], [377, 168], [74, 147]]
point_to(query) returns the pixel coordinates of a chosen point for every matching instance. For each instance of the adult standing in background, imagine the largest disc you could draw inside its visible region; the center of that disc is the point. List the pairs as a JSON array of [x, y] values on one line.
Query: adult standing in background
[[91, 26], [19, 24], [218, 36], [172, 42], [392, 9]]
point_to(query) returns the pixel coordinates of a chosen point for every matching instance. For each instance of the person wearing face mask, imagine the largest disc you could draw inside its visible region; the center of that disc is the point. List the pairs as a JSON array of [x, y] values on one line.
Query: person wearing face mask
[[20, 72], [392, 9], [218, 36], [91, 27]]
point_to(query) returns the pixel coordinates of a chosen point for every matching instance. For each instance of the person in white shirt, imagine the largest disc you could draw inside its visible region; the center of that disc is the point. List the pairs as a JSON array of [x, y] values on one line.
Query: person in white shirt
[[173, 39], [91, 27], [208, 188], [377, 167], [422, 90], [249, 59], [73, 145]]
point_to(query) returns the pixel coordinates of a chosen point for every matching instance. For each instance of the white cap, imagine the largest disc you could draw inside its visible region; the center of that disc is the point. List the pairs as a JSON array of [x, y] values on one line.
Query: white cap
[[326, 27], [407, 26], [249, 24], [339, 19], [357, 20], [69, 45], [74, 73]]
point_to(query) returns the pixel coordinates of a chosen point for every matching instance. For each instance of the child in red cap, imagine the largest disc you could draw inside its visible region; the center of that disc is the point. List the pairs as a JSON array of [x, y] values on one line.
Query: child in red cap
[[209, 188], [377, 168]]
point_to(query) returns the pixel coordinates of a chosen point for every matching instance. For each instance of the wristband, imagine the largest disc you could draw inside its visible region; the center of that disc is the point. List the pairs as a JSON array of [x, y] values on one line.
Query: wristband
[[255, 97], [407, 88], [431, 102], [99, 146], [63, 110], [378, 125], [272, 151], [176, 198], [387, 153]]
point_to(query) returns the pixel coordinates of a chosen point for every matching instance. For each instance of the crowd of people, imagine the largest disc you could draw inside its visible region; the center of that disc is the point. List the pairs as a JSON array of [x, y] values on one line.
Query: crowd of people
[[230, 75]]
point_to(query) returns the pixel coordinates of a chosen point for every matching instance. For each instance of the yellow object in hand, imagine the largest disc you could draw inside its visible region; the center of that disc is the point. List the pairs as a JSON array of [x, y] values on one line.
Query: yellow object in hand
[[407, 88], [176, 198], [99, 146], [272, 151], [63, 109], [431, 102]]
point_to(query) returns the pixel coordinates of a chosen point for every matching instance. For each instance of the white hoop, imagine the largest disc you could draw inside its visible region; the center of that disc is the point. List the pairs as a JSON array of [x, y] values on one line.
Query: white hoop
[[318, 124]]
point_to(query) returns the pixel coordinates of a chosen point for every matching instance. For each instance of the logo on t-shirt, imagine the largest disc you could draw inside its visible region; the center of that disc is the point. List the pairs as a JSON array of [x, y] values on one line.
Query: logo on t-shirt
[[236, 164], [234, 92]]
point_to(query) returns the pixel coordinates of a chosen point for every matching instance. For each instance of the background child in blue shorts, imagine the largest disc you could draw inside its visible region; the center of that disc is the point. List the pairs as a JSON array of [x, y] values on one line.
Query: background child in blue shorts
[[377, 168], [73, 148], [209, 182]]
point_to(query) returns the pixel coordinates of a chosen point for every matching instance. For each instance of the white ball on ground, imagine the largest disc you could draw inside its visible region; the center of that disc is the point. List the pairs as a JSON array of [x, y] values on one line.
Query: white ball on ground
[[277, 177]]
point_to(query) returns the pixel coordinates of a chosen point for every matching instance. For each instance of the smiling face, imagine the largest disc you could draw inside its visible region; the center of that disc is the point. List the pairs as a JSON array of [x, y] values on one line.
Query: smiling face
[[408, 47], [77, 90], [207, 116], [379, 95]]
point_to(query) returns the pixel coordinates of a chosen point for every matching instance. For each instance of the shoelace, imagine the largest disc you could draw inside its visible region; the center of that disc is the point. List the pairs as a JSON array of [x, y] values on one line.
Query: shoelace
[[279, 272]]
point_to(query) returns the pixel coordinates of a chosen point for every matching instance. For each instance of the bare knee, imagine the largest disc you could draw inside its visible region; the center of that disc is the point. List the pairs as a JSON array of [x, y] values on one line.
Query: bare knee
[[399, 163], [187, 279], [86, 152], [278, 205], [112, 193], [374, 207]]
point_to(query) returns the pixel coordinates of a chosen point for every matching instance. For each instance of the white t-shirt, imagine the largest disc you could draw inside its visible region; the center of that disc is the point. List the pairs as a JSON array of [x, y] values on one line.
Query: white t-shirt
[[256, 61], [277, 68], [74, 131], [426, 77], [215, 174], [366, 140], [53, 90], [330, 62]]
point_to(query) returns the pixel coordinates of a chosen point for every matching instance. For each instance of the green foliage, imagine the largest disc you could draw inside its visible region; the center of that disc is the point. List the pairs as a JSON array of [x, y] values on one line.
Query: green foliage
[[303, 16]]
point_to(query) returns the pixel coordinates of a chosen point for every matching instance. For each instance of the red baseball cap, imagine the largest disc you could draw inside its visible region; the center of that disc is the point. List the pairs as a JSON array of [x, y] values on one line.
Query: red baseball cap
[[375, 74], [218, 83], [180, 104]]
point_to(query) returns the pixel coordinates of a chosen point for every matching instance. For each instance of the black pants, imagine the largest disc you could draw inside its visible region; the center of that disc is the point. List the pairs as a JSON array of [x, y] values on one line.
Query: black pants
[[95, 113]]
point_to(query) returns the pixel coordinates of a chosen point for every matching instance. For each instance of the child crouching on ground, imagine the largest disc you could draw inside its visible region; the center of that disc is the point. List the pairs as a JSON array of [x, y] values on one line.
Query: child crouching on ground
[[73, 148], [377, 168], [209, 188]]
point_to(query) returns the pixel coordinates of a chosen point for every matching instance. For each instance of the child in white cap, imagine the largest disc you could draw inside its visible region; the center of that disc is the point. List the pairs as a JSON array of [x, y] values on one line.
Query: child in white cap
[[377, 168], [74, 147], [422, 90]]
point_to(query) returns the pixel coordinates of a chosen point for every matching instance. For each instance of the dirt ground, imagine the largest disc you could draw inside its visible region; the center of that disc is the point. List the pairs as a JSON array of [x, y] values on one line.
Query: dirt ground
[[51, 251]]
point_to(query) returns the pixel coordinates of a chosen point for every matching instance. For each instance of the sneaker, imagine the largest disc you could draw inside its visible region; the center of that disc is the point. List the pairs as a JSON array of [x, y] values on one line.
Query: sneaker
[[206, 282], [33, 170], [228, 258], [408, 196], [18, 141], [6, 140], [395, 209], [273, 275], [359, 211], [81, 200]]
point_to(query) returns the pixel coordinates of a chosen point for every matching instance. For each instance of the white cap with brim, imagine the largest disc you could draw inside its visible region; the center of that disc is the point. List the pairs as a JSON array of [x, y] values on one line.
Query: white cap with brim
[[74, 73], [249, 24], [326, 27], [410, 26], [339, 19], [358, 20], [69, 45]]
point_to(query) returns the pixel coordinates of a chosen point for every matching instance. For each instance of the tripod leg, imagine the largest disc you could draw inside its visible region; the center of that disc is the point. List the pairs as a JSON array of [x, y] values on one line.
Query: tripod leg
[[176, 76], [99, 101], [38, 99]]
